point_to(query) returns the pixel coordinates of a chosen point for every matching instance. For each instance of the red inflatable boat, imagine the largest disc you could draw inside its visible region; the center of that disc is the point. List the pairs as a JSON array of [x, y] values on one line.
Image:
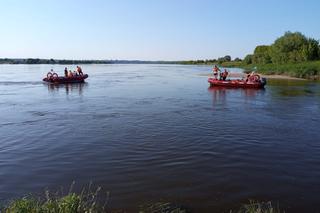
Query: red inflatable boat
[[54, 78], [253, 82]]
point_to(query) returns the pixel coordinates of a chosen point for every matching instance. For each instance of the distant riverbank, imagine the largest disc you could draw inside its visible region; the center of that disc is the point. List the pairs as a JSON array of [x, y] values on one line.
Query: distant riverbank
[[292, 54], [242, 75], [68, 61], [305, 70]]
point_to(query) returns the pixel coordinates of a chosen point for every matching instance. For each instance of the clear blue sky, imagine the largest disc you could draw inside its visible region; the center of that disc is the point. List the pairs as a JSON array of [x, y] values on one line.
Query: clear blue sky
[[149, 29]]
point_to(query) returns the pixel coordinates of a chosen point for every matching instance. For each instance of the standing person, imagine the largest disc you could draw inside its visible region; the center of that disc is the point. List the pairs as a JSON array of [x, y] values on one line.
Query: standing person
[[215, 72], [66, 72], [79, 70]]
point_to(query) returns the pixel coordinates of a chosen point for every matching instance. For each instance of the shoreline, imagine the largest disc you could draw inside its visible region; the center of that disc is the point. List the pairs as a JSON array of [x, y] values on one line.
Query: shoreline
[[284, 77], [241, 75]]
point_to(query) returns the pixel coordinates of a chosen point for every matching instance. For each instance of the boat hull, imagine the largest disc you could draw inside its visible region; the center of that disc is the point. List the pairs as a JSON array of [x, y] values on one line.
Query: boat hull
[[237, 83], [66, 80]]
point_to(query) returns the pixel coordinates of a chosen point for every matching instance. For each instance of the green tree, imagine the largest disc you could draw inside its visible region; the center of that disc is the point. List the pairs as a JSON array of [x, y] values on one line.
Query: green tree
[[227, 58], [291, 47], [221, 60], [248, 59], [311, 50], [33, 61], [261, 55]]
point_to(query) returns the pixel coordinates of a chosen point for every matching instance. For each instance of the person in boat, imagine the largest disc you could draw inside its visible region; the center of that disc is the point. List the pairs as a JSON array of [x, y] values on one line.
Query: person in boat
[[70, 75], [225, 74], [75, 73], [221, 76], [79, 70], [249, 76], [66, 72], [216, 71]]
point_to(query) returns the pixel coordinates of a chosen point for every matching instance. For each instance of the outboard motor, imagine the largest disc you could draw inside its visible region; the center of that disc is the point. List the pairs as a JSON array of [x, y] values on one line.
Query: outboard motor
[[263, 81]]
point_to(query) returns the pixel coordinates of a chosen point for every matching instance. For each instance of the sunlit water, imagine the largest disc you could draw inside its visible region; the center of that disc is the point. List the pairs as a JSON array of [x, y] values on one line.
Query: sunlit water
[[149, 133]]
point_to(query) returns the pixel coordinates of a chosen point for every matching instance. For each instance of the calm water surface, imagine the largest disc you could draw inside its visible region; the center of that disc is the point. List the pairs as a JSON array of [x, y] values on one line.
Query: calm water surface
[[149, 133]]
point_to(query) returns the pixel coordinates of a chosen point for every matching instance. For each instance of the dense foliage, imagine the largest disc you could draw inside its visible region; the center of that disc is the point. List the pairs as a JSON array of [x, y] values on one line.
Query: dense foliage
[[289, 48]]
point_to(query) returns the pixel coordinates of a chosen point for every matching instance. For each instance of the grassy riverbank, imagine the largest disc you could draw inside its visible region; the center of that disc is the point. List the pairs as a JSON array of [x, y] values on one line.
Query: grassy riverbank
[[292, 54], [88, 200], [307, 70], [94, 201], [75, 203]]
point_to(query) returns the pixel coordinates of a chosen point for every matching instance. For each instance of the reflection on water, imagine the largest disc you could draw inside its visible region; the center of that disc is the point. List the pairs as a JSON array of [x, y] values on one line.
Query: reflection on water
[[296, 92], [220, 94], [249, 92], [68, 88], [287, 82], [292, 88]]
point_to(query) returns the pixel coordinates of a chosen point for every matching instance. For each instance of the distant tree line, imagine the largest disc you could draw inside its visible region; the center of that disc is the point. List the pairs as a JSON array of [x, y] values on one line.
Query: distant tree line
[[51, 61], [289, 48], [64, 61], [220, 60]]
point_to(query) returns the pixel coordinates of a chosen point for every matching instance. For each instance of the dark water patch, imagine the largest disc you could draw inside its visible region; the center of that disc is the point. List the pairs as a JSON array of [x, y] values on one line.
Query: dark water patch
[[106, 116], [39, 113]]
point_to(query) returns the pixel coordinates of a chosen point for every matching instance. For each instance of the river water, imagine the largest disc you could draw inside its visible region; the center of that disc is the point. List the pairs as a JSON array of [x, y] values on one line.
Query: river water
[[149, 133]]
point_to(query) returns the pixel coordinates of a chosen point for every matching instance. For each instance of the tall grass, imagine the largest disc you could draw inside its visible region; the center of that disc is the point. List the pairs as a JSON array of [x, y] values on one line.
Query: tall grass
[[91, 200], [87, 201], [162, 207], [259, 207]]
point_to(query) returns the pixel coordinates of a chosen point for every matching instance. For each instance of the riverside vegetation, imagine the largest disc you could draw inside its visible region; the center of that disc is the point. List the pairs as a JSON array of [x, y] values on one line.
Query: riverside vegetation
[[93, 200], [292, 54], [89, 202]]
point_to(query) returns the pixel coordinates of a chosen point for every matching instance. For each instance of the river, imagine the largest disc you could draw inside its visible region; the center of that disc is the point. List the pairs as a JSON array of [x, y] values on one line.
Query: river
[[149, 133]]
